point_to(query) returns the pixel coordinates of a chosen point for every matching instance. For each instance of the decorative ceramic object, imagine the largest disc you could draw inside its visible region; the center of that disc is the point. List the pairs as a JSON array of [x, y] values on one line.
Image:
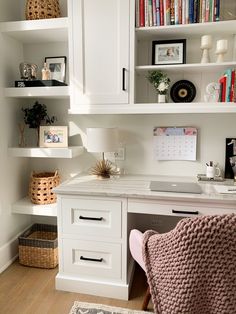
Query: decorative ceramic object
[[212, 92], [221, 49], [46, 73], [28, 71], [206, 45]]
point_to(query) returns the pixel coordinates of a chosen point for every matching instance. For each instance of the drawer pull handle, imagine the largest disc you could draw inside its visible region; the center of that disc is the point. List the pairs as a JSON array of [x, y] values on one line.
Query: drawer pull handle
[[91, 218], [123, 79], [91, 259], [184, 212]]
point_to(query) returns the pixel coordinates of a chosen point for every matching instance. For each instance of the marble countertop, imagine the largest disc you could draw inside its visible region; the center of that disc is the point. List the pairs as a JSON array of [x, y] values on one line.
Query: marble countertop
[[137, 186]]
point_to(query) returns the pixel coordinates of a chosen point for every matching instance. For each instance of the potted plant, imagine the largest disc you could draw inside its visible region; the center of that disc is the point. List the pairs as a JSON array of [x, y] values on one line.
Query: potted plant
[[161, 83], [36, 115]]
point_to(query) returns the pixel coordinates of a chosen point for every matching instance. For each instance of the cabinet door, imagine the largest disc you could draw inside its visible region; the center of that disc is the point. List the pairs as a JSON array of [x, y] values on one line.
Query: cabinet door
[[99, 51]]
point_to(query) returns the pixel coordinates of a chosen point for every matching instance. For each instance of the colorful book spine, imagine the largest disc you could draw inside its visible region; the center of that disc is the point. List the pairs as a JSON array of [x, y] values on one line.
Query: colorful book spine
[[146, 13], [203, 16], [217, 13], [232, 92], [172, 12], [211, 10], [180, 12], [207, 15], [150, 14], [167, 13], [183, 12], [141, 14], [187, 11], [158, 12], [195, 11], [222, 82], [162, 12], [154, 12], [228, 75], [137, 10], [191, 11], [176, 12]]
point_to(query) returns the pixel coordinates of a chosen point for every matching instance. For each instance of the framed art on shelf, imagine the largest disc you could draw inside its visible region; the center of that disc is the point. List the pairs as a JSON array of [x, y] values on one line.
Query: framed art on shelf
[[57, 67], [169, 52], [53, 136]]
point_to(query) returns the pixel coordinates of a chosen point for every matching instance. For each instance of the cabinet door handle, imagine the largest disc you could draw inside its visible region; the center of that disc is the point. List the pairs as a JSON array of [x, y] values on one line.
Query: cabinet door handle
[[184, 212], [124, 79], [99, 260], [91, 218]]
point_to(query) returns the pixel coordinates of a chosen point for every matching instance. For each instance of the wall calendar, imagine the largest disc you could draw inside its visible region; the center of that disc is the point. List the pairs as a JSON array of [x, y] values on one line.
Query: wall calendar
[[175, 143]]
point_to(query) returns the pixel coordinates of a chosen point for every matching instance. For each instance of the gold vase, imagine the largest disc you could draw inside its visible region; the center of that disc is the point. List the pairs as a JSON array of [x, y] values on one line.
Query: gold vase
[[42, 9]]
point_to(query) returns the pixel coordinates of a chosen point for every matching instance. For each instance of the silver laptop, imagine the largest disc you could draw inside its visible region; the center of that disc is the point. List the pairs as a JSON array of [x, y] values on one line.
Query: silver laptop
[[177, 187]]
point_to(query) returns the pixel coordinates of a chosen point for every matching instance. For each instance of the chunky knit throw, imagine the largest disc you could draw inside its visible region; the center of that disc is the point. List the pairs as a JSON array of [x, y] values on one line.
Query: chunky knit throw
[[192, 269]]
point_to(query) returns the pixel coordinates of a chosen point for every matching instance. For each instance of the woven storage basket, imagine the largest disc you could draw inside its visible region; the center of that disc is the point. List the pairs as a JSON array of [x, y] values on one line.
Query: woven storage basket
[[38, 246], [42, 9], [41, 185]]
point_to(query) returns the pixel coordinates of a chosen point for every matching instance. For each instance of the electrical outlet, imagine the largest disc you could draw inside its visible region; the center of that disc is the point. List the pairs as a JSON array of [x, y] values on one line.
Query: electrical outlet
[[120, 153]]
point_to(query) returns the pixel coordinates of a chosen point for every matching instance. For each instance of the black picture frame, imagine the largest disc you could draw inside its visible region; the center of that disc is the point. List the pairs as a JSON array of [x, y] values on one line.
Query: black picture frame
[[169, 52], [57, 66]]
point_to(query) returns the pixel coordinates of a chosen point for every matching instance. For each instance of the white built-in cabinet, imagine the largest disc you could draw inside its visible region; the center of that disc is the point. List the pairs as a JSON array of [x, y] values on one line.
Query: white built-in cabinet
[[99, 52]]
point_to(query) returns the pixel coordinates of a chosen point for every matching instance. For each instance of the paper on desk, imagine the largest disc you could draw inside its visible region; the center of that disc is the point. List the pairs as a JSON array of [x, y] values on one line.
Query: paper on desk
[[225, 189]]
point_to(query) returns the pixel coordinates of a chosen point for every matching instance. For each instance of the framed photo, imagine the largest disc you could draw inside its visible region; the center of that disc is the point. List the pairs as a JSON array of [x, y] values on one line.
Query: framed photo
[[57, 66], [169, 52], [53, 136]]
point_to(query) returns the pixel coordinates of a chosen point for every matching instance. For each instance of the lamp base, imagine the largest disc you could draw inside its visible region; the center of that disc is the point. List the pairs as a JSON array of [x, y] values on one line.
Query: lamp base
[[104, 169]]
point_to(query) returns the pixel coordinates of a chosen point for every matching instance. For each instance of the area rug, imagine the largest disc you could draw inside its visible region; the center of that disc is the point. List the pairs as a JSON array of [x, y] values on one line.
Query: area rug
[[92, 308]]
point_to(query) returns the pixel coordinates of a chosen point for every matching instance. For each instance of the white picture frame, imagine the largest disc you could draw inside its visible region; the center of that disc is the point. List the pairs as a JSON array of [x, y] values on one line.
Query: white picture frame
[[53, 136], [57, 67]]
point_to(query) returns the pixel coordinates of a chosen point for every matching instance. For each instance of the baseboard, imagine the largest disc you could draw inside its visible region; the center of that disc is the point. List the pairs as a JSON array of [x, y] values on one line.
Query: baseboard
[[9, 252]]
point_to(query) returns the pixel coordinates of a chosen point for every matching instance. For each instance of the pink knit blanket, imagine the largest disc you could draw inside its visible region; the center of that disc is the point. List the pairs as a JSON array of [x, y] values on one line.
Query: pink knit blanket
[[192, 269]]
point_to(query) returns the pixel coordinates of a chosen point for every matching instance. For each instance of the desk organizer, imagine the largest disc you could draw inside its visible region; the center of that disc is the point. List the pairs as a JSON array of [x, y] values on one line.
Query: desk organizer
[[38, 246]]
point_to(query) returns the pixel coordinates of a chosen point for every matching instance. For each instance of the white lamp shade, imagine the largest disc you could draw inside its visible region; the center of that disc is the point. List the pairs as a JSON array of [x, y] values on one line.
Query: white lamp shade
[[102, 140]]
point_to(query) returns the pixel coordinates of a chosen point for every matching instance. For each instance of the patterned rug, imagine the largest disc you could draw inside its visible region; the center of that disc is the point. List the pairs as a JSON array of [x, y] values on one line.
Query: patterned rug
[[92, 308]]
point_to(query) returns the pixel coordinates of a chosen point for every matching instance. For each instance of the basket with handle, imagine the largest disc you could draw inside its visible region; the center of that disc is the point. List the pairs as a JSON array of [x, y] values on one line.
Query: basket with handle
[[42, 9], [41, 185]]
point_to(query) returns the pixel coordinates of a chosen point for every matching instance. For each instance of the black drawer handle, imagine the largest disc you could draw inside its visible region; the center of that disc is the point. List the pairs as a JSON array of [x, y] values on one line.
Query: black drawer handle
[[91, 259], [184, 212], [123, 79], [91, 218]]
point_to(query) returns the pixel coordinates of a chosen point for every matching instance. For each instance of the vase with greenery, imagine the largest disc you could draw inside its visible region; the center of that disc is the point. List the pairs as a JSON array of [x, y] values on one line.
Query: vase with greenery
[[35, 116], [161, 83]]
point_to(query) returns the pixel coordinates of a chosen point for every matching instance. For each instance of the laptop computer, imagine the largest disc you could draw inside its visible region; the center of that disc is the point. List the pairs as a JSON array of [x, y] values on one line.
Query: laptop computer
[[176, 187]]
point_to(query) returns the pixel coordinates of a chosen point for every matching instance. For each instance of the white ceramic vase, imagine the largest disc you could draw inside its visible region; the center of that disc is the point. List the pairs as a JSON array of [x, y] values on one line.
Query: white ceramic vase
[[161, 98]]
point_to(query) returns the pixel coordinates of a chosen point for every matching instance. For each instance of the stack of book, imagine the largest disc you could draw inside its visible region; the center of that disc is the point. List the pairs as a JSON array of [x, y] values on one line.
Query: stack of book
[[228, 86], [174, 12]]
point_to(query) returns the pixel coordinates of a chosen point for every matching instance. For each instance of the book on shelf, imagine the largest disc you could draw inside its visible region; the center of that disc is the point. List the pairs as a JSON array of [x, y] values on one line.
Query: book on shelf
[[228, 86], [174, 12]]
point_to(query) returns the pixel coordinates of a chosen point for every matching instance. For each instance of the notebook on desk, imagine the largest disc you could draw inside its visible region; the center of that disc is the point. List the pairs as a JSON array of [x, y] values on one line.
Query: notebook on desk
[[177, 187]]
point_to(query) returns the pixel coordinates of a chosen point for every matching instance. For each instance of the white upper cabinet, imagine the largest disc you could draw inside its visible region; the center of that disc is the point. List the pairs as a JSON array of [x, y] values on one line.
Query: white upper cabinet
[[99, 52]]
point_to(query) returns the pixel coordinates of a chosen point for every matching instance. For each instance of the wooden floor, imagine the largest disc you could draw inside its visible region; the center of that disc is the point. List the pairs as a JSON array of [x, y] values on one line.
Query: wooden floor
[[26, 290]]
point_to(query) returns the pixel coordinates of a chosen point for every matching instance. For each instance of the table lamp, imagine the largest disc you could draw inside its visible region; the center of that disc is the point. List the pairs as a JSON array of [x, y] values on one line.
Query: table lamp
[[102, 140]]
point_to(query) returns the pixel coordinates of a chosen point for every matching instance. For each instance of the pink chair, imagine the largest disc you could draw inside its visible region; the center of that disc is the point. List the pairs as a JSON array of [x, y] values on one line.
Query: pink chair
[[135, 245]]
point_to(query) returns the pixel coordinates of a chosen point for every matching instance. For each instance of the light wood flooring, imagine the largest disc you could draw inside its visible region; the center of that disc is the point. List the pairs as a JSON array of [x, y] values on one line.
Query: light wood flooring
[[27, 290]]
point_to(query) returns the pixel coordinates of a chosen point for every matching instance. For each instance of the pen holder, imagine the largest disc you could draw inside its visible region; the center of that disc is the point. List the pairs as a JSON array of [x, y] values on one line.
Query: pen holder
[[212, 172]]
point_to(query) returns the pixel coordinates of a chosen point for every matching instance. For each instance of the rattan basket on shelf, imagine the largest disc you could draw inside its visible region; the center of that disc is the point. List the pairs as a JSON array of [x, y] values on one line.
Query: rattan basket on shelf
[[38, 246], [42, 9], [41, 185]]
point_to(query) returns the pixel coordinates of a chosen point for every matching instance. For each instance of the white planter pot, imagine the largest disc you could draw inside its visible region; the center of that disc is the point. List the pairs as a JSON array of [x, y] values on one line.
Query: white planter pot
[[161, 98]]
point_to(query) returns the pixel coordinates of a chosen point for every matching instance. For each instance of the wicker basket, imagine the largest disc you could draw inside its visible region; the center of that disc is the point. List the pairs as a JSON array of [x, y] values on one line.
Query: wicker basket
[[42, 9], [38, 246], [41, 185]]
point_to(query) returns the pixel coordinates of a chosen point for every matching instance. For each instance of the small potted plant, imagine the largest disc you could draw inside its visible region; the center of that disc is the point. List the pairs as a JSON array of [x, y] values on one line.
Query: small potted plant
[[36, 115], [161, 83]]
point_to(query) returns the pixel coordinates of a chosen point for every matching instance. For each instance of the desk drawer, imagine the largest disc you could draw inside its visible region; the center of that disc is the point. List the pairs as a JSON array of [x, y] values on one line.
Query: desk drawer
[[92, 259], [93, 217], [160, 208]]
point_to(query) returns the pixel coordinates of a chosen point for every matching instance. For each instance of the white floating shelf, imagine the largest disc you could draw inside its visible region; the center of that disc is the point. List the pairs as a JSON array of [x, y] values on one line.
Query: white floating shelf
[[194, 67], [197, 29], [69, 152], [166, 108], [58, 92], [37, 31], [24, 206]]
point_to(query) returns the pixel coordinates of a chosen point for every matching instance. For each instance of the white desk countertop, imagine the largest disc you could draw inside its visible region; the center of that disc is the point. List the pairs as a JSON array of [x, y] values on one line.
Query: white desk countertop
[[137, 186]]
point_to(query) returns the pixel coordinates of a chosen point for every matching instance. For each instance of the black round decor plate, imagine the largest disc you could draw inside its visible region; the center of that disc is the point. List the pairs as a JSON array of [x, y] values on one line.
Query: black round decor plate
[[183, 91]]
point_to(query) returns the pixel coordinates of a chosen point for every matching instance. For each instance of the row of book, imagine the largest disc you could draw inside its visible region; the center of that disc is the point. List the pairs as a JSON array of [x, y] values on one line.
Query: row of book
[[228, 86], [174, 12]]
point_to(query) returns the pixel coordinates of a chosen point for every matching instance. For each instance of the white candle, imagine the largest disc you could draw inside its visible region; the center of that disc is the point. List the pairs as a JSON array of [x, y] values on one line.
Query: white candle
[[206, 41], [222, 45]]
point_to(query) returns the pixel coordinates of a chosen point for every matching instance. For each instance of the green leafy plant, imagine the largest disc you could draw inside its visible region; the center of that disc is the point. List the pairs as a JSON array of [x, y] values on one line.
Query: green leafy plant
[[36, 115], [160, 81]]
